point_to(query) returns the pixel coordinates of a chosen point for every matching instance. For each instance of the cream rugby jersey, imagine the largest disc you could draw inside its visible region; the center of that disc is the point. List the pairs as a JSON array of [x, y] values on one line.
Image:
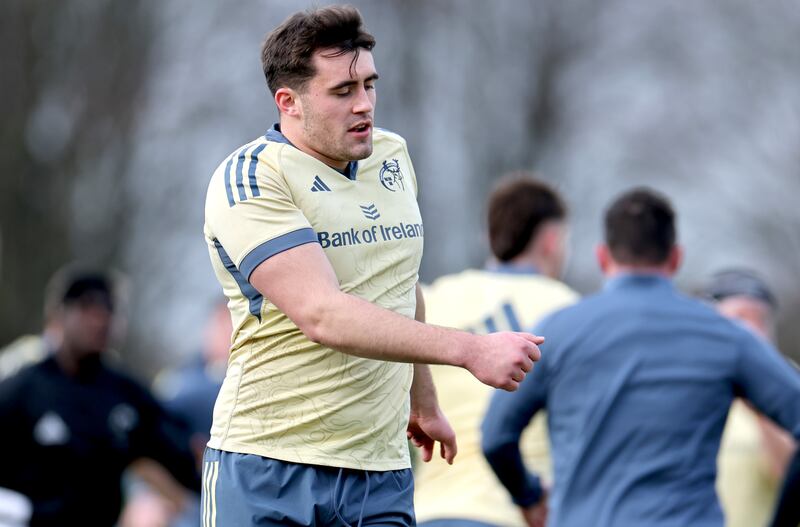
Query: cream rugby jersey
[[284, 396]]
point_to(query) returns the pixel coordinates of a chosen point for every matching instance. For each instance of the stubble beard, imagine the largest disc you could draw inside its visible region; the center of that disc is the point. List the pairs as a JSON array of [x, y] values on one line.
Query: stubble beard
[[325, 142]]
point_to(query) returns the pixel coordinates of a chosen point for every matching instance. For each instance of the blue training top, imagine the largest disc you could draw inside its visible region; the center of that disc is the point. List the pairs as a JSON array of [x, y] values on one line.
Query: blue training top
[[637, 381]]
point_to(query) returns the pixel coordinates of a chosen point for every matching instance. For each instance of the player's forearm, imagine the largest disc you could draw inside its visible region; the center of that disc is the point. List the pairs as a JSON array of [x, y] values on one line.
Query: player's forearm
[[358, 327], [352, 325], [423, 392]]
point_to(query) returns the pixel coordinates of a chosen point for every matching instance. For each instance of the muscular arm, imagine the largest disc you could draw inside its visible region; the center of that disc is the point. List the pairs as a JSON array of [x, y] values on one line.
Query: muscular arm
[[303, 285]]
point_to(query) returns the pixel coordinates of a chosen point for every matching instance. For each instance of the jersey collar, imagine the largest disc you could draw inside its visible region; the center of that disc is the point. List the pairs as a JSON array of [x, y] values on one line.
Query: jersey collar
[[636, 280], [275, 135]]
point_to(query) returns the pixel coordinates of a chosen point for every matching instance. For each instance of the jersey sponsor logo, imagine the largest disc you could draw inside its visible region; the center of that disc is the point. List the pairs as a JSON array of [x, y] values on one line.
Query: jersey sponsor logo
[[370, 211], [374, 234], [319, 185], [51, 430], [391, 176]]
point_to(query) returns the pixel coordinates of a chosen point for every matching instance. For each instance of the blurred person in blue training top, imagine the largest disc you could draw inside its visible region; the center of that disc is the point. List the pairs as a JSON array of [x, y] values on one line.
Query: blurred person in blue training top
[[189, 392], [315, 234], [72, 424], [754, 451], [637, 381], [527, 230]]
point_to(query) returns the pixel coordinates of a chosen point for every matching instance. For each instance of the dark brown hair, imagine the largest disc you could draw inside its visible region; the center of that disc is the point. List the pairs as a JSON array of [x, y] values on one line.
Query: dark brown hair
[[518, 206], [287, 50], [640, 228]]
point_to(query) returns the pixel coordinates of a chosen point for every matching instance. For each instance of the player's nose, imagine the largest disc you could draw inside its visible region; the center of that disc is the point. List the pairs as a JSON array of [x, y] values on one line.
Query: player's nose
[[363, 102]]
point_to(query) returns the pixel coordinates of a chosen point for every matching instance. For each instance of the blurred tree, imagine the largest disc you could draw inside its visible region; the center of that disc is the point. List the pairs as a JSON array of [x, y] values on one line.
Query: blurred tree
[[74, 73]]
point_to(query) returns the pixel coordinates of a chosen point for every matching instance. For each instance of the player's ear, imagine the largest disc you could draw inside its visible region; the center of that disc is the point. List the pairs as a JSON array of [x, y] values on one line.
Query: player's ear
[[288, 102], [603, 255], [553, 237], [675, 259]]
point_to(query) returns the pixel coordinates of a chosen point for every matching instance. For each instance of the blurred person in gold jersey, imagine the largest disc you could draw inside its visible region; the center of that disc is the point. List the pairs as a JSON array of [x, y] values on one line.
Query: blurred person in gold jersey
[[527, 231], [754, 451]]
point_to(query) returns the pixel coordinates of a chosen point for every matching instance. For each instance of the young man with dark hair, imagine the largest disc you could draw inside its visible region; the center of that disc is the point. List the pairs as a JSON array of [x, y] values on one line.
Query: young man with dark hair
[[527, 231], [72, 425], [315, 235], [637, 383]]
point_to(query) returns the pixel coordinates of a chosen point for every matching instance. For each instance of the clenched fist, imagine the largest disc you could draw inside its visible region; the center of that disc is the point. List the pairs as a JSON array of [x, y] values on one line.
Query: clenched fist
[[502, 360]]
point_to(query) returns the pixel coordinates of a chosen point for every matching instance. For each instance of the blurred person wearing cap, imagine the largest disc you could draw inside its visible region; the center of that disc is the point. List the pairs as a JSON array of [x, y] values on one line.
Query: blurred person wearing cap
[[72, 424], [637, 381], [518, 286], [754, 452]]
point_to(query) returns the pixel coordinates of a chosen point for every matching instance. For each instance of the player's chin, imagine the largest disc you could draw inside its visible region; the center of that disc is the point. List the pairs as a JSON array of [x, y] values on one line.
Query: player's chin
[[361, 151]]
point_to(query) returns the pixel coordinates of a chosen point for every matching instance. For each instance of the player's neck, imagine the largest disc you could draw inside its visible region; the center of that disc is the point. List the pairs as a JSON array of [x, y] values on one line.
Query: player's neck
[[73, 363], [67, 361], [622, 269], [545, 266], [293, 131]]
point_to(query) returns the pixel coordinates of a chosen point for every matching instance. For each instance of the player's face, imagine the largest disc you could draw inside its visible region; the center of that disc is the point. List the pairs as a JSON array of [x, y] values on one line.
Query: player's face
[[338, 106], [86, 327], [753, 313]]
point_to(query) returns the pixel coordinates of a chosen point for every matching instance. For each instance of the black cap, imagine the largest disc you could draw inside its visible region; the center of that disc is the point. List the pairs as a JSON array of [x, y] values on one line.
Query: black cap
[[739, 282], [70, 286]]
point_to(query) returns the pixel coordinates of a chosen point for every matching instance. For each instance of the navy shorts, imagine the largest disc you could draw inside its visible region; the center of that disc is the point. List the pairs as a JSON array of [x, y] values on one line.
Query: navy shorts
[[241, 490]]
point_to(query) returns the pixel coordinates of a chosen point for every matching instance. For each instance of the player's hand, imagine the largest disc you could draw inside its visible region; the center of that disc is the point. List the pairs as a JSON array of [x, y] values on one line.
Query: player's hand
[[502, 360], [425, 430], [536, 515]]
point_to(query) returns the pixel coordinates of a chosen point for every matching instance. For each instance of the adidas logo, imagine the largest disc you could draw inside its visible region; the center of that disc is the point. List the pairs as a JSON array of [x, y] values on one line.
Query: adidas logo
[[319, 185], [370, 211]]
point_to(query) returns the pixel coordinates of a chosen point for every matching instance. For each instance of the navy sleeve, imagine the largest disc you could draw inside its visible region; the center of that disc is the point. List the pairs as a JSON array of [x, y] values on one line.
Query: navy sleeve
[[507, 417], [769, 381]]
